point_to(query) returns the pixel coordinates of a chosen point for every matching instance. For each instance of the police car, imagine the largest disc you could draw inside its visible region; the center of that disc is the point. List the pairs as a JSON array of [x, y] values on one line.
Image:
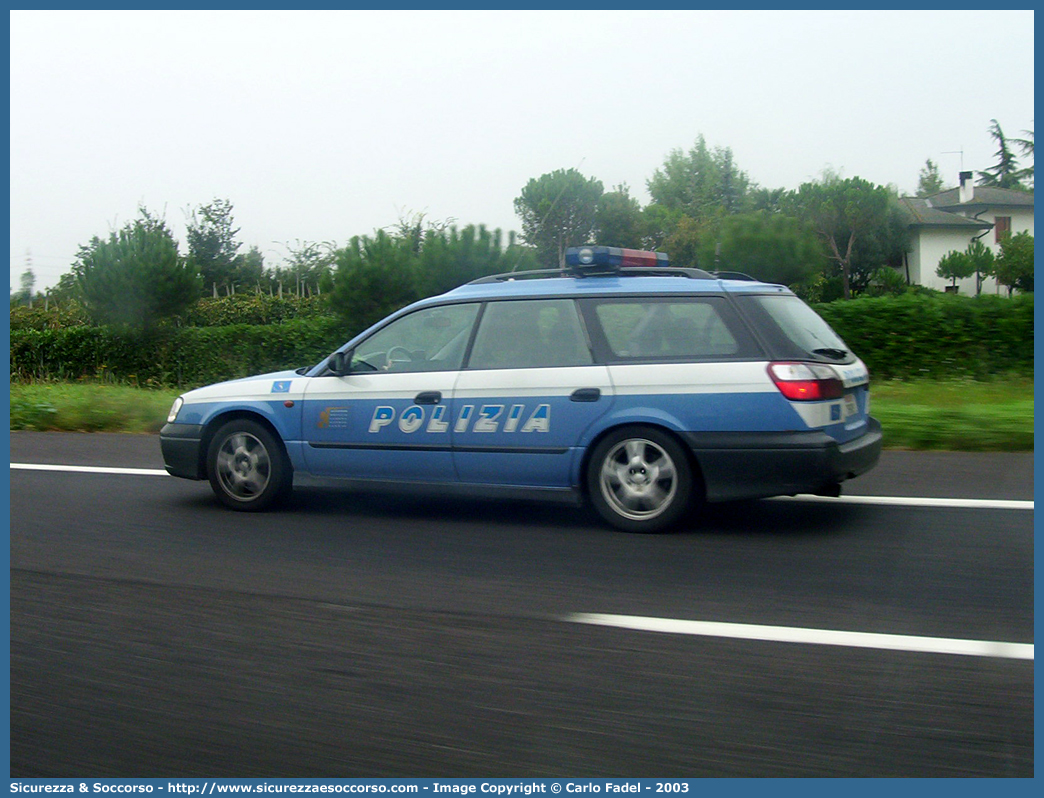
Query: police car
[[641, 388]]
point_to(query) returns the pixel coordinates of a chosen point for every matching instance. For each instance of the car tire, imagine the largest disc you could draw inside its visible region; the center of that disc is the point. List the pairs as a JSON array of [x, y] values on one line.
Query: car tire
[[248, 467], [640, 480]]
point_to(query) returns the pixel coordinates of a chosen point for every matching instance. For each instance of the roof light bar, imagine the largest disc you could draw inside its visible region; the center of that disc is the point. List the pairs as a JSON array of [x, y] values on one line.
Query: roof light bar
[[602, 259]]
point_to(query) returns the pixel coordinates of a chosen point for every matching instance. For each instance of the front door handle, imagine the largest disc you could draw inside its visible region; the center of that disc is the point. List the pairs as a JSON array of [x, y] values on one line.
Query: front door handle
[[585, 395], [427, 398]]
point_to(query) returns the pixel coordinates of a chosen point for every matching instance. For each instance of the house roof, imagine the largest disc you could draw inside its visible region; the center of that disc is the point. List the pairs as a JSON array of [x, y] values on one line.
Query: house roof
[[919, 213], [983, 195]]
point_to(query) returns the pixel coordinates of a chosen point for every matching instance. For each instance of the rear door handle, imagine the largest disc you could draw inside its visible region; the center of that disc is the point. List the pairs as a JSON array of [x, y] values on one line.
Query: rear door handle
[[427, 398], [585, 395]]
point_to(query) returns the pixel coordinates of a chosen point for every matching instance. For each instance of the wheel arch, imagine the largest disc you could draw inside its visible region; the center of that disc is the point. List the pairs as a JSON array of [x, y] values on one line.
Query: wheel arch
[[219, 420], [699, 485]]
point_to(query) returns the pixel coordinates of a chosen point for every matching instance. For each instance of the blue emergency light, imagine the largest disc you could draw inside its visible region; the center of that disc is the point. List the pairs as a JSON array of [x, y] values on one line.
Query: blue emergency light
[[610, 259]]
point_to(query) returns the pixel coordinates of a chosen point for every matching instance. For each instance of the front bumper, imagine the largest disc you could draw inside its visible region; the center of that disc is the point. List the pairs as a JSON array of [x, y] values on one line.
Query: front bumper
[[758, 465], [182, 455]]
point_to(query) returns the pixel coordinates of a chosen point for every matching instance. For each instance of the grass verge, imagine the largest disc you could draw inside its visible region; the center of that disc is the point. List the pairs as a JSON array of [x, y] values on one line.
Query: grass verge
[[958, 415], [88, 407]]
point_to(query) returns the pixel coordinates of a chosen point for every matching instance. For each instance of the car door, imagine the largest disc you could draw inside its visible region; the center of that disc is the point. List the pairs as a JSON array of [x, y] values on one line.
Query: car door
[[529, 392], [388, 418]]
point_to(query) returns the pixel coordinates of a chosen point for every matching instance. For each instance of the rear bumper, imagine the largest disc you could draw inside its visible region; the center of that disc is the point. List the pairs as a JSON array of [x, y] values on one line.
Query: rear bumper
[[757, 465], [180, 445]]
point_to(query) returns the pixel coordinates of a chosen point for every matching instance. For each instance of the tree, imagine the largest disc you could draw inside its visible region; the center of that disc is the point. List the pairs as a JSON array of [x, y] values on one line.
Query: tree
[[414, 225], [373, 277], [28, 281], [68, 289], [701, 182], [929, 182], [684, 243], [859, 222], [659, 224], [136, 276], [212, 245], [558, 211], [955, 266], [772, 247], [308, 264], [767, 199], [618, 220], [249, 269], [981, 258], [1005, 173], [449, 258], [1014, 266], [1026, 145]]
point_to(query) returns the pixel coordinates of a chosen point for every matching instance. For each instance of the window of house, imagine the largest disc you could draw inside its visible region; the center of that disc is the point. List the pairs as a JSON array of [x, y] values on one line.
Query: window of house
[[1001, 227]]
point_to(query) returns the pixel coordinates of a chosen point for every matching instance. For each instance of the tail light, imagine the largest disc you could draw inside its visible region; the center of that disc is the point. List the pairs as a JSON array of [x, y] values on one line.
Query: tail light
[[806, 382]]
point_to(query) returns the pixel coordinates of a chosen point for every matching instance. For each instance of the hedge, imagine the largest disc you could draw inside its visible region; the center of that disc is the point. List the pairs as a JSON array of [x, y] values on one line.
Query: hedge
[[938, 336], [189, 356], [245, 308], [254, 309]]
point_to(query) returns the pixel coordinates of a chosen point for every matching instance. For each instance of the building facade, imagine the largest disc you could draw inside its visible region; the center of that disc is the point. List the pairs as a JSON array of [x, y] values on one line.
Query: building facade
[[952, 219]]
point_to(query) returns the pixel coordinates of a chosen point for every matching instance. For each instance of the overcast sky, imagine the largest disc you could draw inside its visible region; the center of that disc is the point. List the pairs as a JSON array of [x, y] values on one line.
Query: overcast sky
[[318, 126]]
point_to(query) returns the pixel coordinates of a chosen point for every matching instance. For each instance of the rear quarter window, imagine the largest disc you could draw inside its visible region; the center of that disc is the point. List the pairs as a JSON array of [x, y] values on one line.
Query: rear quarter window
[[794, 329], [670, 329]]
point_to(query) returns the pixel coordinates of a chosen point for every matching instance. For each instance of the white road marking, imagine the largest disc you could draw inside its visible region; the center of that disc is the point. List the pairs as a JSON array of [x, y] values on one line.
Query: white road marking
[[825, 637], [914, 501], [145, 472], [899, 501]]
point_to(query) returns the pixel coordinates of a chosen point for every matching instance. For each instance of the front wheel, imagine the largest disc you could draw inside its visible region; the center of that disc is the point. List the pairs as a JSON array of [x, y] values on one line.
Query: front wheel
[[639, 480], [247, 466]]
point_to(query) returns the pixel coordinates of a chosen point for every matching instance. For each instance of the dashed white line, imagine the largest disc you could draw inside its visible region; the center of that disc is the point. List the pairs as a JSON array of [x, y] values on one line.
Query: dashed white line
[[145, 472], [825, 637], [915, 501]]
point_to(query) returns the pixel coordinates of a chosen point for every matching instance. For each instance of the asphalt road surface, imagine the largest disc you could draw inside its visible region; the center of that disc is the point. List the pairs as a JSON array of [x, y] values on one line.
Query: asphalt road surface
[[155, 634]]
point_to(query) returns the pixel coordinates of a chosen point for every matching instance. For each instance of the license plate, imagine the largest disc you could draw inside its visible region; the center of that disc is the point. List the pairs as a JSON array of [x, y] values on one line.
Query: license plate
[[849, 406]]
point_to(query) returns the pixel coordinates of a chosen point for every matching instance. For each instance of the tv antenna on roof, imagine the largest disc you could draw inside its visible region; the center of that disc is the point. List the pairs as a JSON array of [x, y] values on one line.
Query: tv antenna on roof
[[957, 152]]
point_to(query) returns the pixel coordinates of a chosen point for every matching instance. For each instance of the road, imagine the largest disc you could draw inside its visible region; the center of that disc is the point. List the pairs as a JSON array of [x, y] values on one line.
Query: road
[[154, 633]]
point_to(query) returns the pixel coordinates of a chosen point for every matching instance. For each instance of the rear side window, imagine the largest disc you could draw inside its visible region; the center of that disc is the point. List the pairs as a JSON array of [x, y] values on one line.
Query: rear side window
[[542, 333], [683, 328]]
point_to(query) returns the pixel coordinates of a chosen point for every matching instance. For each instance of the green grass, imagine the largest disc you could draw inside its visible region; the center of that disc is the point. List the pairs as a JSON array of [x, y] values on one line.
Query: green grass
[[88, 407], [959, 415]]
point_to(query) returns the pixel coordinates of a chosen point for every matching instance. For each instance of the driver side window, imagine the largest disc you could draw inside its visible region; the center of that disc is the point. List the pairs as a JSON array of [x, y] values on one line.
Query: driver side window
[[433, 339]]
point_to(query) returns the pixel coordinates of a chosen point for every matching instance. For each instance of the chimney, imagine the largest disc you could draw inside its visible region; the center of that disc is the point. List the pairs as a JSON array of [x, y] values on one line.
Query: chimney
[[967, 190]]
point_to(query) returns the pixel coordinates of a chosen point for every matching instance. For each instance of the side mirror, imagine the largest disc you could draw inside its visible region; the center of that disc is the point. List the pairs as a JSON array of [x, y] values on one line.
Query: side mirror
[[339, 364]]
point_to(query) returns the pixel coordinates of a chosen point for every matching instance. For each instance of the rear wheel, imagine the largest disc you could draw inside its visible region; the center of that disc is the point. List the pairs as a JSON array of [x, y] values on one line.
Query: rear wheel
[[247, 466], [639, 480]]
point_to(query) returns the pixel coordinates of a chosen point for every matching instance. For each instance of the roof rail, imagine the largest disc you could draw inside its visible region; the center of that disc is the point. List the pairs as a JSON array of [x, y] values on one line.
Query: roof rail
[[626, 271], [734, 276]]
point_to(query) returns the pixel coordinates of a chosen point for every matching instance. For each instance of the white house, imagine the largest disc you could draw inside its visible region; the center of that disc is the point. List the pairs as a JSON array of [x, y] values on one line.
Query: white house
[[952, 219]]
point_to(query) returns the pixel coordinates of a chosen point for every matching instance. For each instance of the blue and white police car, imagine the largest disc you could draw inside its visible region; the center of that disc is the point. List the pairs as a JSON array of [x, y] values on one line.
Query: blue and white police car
[[640, 388]]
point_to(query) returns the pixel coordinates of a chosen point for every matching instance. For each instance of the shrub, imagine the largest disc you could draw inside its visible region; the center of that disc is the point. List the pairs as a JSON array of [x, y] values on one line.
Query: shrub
[[55, 315], [189, 356], [254, 308], [938, 335]]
